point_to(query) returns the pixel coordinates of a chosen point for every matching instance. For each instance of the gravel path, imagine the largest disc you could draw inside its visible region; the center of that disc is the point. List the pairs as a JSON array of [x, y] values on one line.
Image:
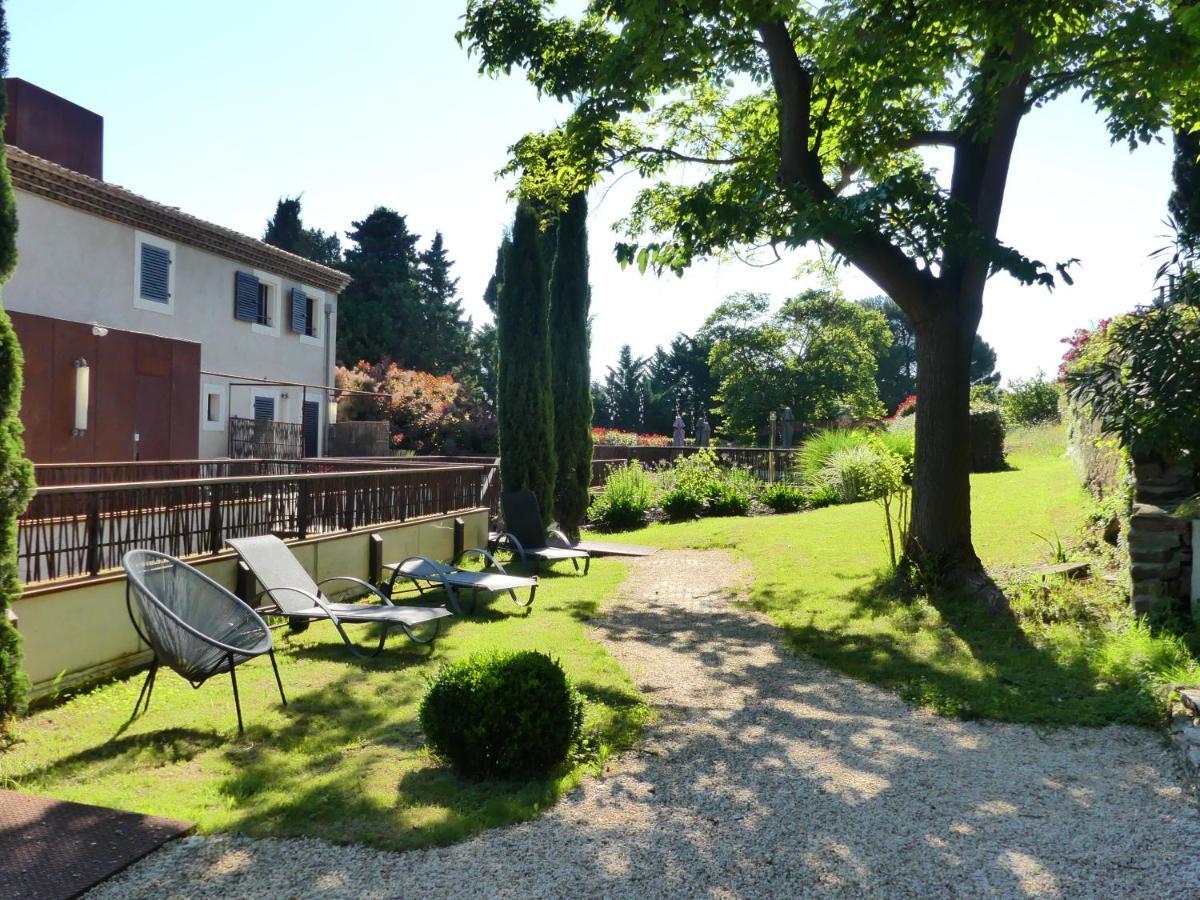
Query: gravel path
[[768, 775]]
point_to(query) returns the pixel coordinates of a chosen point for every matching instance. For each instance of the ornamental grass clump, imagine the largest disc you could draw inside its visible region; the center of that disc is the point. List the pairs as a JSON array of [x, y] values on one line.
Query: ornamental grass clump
[[628, 496], [502, 715], [783, 498]]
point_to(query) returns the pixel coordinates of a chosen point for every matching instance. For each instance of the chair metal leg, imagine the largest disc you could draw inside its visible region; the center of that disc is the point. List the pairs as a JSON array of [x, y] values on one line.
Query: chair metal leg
[[278, 680], [147, 688], [236, 700]]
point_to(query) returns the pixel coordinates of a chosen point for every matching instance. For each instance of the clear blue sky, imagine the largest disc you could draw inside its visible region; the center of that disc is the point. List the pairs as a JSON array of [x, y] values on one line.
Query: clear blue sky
[[222, 107]]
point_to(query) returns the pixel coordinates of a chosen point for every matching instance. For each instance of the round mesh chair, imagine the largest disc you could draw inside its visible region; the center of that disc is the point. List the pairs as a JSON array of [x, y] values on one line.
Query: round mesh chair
[[192, 624]]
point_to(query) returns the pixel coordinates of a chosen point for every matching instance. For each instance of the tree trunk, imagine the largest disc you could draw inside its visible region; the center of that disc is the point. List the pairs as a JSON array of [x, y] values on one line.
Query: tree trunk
[[939, 541]]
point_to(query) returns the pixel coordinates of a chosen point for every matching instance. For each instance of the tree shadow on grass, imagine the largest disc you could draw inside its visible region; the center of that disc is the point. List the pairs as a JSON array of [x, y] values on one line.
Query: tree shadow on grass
[[962, 661], [152, 749]]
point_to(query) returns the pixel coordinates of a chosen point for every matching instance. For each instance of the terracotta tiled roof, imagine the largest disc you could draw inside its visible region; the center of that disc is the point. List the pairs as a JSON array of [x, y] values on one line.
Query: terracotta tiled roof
[[46, 179]]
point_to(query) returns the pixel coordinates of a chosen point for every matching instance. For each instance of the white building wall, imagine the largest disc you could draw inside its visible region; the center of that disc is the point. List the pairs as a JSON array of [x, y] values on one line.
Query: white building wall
[[82, 268]]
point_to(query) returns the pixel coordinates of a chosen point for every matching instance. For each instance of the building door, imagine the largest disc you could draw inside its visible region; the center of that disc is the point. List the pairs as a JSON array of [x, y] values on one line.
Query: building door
[[152, 417], [312, 427]]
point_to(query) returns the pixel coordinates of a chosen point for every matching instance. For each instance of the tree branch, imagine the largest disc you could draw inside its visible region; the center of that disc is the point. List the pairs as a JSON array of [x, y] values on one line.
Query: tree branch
[[864, 246], [678, 157]]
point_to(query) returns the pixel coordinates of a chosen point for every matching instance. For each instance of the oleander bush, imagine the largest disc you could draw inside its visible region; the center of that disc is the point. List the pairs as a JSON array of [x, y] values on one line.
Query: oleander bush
[[502, 715], [1030, 401]]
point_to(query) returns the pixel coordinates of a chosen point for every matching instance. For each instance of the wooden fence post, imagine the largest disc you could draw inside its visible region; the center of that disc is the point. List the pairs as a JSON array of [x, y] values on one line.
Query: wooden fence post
[[302, 515], [214, 518], [93, 534], [375, 559]]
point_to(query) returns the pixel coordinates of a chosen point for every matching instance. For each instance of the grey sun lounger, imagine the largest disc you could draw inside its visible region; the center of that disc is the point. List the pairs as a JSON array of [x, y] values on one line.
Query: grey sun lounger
[[293, 592], [526, 535], [422, 570]]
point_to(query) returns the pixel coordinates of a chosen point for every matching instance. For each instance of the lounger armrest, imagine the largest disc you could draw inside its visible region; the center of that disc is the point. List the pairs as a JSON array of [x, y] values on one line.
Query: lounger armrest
[[316, 600], [366, 584], [491, 560], [555, 533], [511, 539]]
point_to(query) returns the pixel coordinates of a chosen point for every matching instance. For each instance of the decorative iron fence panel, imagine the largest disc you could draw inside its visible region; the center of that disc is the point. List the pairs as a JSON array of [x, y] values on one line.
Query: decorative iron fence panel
[[73, 530]]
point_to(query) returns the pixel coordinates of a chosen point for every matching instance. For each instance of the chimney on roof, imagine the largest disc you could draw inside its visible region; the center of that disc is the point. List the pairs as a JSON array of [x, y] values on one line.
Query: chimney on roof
[[48, 126]]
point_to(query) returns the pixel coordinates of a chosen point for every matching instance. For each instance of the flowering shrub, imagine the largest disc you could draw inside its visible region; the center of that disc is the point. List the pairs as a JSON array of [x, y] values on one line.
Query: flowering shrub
[[614, 437], [1077, 343], [1137, 378], [427, 413], [907, 407]]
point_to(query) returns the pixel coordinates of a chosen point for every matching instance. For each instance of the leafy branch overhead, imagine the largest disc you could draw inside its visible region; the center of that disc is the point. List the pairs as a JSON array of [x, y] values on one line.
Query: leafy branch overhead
[[801, 123]]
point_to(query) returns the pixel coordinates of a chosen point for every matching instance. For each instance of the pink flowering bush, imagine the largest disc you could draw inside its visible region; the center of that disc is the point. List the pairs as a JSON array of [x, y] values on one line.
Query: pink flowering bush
[[427, 413]]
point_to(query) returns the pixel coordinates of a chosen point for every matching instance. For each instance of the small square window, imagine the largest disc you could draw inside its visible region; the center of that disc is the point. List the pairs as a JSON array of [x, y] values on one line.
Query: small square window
[[213, 412]]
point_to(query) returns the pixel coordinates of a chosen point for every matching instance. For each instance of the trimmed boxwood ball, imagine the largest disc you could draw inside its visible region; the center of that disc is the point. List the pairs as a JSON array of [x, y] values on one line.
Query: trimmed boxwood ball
[[502, 714]]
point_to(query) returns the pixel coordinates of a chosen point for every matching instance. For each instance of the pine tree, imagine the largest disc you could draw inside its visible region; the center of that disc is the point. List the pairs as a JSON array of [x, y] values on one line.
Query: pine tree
[[525, 404], [286, 231], [443, 338], [570, 297], [16, 474], [381, 306], [625, 391]]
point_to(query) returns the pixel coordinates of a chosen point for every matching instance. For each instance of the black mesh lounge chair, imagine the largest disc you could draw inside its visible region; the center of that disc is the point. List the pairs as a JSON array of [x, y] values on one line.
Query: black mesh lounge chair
[[192, 624], [526, 535], [294, 593], [421, 570]]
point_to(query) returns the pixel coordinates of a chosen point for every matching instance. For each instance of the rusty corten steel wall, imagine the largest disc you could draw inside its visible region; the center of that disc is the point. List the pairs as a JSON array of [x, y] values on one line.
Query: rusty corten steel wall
[[139, 383], [53, 128]]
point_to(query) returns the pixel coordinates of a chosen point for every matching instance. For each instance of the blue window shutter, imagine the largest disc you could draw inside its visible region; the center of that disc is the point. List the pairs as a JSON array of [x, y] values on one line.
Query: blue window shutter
[[299, 311], [245, 297], [156, 274], [264, 408]]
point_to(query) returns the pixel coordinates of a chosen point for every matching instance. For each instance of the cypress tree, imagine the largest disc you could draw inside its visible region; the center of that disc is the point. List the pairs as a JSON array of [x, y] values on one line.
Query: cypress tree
[[1185, 198], [16, 474], [525, 410], [570, 297]]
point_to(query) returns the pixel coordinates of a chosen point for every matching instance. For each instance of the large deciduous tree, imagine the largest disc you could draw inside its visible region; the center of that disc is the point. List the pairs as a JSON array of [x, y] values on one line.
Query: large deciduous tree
[[525, 406], [570, 297], [804, 122], [16, 474], [817, 354], [897, 375]]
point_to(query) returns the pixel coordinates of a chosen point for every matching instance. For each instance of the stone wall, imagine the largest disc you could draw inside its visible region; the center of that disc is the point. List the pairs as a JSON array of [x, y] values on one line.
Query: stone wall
[[1159, 545]]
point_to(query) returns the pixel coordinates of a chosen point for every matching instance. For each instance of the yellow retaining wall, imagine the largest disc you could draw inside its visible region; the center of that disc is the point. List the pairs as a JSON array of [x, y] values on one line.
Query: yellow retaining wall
[[78, 631]]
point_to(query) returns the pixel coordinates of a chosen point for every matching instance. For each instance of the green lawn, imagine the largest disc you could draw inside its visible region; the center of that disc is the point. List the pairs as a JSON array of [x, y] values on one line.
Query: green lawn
[[818, 575], [344, 760]]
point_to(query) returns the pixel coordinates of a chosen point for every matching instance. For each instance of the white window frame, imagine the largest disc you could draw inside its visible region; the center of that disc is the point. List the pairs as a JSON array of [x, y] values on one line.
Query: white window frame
[[318, 302], [275, 291], [219, 390], [139, 302]]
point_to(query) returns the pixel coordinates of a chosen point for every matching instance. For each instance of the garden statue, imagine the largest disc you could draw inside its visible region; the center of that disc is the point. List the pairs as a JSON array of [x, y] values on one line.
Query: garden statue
[[789, 427], [703, 433], [678, 442]]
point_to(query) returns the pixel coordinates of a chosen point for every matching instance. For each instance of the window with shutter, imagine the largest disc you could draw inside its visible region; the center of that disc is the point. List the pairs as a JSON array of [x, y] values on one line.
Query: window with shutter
[[299, 312], [156, 274], [245, 297], [310, 312], [264, 408]]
